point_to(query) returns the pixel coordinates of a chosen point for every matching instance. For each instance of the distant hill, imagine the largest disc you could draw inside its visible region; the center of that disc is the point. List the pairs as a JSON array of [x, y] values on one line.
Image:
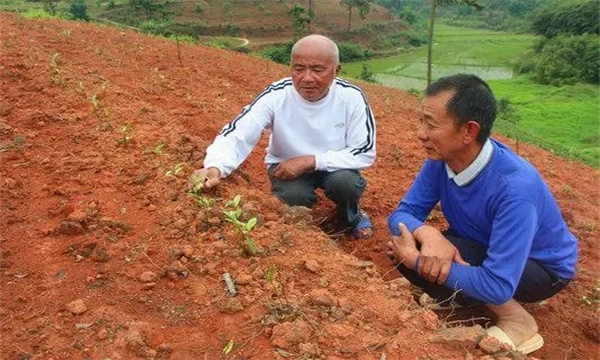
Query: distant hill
[[268, 21]]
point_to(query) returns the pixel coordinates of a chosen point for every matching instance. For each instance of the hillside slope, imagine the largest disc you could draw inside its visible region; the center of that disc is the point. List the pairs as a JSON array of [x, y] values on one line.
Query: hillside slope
[[104, 255], [269, 21]]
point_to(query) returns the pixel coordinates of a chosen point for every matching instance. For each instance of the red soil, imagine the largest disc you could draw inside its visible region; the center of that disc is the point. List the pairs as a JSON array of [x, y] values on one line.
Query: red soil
[[87, 208]]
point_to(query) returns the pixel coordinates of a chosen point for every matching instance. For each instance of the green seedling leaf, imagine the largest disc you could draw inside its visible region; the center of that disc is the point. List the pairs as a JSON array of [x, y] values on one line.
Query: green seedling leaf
[[197, 184], [236, 200], [250, 224], [251, 246], [271, 273], [227, 349]]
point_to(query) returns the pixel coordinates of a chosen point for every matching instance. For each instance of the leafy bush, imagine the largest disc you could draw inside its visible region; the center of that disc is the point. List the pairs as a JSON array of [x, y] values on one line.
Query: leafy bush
[[367, 74], [411, 37], [156, 27], [188, 39], [353, 52], [78, 10], [231, 29], [575, 17], [33, 13], [568, 59], [348, 52], [219, 44], [279, 53]]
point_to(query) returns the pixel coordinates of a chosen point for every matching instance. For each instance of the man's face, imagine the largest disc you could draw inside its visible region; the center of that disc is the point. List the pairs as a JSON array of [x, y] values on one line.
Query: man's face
[[313, 70], [441, 138]]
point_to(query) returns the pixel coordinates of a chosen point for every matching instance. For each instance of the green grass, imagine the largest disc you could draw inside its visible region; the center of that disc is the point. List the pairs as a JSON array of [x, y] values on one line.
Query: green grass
[[453, 47], [562, 119]]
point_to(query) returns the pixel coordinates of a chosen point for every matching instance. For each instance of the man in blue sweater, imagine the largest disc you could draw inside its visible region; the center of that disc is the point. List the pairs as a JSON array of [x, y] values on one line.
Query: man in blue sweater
[[507, 241]]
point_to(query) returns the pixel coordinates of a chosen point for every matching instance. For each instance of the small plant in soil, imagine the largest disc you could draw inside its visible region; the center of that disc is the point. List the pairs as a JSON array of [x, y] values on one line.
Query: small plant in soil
[[271, 276], [227, 349], [197, 184], [157, 150], [57, 76], [175, 170], [592, 297], [243, 228], [126, 131]]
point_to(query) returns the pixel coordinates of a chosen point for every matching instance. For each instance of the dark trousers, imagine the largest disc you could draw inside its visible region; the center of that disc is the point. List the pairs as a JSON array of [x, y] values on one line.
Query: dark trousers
[[343, 187], [536, 283]]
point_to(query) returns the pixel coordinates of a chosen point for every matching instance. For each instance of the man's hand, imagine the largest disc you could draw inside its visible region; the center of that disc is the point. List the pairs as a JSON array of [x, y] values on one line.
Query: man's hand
[[294, 167], [437, 254], [403, 249], [209, 178]]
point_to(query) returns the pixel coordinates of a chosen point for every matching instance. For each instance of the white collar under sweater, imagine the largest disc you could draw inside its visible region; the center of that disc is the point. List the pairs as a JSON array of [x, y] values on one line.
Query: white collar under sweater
[[468, 174]]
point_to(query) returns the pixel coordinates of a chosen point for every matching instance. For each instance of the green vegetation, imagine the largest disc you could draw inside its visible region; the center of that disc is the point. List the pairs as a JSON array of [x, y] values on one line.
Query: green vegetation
[[573, 17], [568, 51], [561, 119], [243, 228], [486, 53], [78, 10], [507, 15], [363, 7], [348, 52]]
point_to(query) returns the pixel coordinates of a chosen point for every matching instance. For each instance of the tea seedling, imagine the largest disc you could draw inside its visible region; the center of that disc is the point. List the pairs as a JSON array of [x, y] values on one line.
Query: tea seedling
[[227, 349], [271, 277], [126, 131], [175, 170], [56, 76], [196, 192], [234, 216], [592, 297]]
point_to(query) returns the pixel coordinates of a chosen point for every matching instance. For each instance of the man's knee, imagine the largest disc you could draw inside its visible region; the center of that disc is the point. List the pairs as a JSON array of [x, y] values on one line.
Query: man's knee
[[294, 194], [346, 184]]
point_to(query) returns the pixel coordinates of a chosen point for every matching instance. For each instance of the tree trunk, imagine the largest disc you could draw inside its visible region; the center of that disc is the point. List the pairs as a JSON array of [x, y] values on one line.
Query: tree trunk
[[310, 14], [349, 17], [430, 44]]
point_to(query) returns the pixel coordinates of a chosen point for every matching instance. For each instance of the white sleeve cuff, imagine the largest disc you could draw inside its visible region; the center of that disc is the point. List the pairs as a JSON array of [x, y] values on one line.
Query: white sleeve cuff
[[320, 162]]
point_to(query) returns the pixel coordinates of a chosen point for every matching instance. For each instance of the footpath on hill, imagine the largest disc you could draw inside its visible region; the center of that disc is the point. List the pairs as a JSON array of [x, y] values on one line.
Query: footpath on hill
[[103, 254]]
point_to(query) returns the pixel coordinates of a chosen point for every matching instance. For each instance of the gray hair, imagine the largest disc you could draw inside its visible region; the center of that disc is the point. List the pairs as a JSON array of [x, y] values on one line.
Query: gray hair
[[335, 52]]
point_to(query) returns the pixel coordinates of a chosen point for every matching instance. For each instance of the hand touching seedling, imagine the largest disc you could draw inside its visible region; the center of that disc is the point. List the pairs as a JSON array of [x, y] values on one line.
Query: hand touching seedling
[[208, 178]]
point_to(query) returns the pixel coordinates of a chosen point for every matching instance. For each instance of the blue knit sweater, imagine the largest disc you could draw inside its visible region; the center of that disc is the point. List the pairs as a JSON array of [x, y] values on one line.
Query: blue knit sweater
[[508, 208]]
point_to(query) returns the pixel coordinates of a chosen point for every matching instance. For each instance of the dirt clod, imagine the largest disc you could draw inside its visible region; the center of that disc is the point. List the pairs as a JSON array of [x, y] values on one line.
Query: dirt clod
[[76, 307]]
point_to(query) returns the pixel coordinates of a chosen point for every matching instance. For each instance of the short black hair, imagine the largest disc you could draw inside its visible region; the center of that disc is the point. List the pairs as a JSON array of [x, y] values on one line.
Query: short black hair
[[472, 100]]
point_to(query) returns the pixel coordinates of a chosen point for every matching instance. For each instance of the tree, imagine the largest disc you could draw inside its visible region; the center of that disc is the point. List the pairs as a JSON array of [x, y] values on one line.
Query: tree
[[571, 17], [363, 6], [367, 74], [78, 10], [568, 51], [434, 4], [153, 9], [301, 20]]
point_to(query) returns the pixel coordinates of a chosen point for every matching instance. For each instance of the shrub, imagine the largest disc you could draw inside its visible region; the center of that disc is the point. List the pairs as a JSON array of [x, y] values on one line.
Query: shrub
[[568, 59], [155, 27], [353, 52], [367, 74], [78, 10], [569, 17], [279, 53]]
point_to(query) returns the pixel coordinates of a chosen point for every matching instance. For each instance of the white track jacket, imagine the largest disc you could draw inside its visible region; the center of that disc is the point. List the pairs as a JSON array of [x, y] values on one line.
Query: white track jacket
[[339, 130]]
